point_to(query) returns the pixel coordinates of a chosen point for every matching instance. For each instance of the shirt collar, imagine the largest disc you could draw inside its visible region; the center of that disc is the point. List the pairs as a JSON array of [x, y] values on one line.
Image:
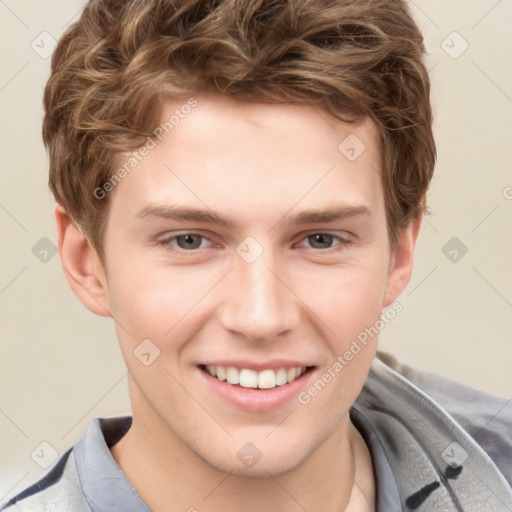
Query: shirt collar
[[386, 490], [104, 485]]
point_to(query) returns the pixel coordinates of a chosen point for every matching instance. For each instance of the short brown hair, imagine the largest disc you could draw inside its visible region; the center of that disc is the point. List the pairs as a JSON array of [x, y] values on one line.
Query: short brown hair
[[113, 68]]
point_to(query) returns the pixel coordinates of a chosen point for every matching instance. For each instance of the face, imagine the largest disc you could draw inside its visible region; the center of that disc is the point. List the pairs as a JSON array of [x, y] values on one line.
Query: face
[[246, 238]]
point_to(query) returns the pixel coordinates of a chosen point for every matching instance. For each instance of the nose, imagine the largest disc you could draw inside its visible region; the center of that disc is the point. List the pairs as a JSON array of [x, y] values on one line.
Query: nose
[[259, 304]]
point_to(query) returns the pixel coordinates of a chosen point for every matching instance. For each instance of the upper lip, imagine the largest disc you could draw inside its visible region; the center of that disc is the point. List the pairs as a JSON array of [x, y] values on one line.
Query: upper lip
[[259, 366]]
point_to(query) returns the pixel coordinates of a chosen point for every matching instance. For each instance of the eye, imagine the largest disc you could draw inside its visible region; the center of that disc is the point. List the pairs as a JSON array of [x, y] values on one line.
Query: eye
[[325, 240], [186, 242], [191, 242]]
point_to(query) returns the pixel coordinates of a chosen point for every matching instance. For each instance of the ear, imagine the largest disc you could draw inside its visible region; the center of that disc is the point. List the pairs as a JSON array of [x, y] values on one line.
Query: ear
[[81, 264], [400, 269]]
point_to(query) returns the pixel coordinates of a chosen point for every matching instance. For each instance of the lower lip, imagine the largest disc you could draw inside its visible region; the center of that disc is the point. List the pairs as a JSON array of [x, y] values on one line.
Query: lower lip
[[257, 400]]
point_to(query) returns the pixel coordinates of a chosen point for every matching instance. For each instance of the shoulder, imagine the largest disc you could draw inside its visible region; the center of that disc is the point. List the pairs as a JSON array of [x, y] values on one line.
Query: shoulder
[[487, 418], [57, 490]]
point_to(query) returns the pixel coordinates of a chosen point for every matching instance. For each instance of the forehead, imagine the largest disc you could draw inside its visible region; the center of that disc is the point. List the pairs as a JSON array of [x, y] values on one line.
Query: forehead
[[239, 158]]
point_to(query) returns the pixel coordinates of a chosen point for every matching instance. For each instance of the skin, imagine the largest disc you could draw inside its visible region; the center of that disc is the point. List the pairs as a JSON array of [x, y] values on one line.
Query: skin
[[301, 299]]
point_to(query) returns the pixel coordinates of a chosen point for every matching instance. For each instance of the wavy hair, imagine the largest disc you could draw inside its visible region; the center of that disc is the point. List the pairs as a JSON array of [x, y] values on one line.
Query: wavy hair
[[116, 65]]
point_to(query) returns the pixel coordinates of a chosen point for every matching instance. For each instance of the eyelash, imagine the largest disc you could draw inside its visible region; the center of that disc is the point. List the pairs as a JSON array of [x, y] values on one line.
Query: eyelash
[[166, 243]]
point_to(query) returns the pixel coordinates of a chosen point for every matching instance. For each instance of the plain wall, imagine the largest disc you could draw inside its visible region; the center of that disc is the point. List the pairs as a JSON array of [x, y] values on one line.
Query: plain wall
[[60, 365]]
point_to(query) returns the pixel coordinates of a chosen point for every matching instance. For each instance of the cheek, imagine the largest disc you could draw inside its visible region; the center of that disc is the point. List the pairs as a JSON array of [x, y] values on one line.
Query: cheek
[[152, 300], [346, 299], [349, 309]]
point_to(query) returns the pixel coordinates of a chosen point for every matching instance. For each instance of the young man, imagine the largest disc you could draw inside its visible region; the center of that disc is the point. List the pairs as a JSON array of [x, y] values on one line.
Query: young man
[[240, 186]]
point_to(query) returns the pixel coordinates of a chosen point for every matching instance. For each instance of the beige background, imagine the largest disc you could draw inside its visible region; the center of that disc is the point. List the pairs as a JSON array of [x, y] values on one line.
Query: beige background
[[60, 366]]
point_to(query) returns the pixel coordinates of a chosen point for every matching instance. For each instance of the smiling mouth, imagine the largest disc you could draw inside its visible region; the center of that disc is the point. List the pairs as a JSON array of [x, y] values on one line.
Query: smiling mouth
[[247, 378]]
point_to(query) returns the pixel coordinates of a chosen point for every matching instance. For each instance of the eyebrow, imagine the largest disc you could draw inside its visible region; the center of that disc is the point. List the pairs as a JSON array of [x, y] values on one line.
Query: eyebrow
[[313, 216]]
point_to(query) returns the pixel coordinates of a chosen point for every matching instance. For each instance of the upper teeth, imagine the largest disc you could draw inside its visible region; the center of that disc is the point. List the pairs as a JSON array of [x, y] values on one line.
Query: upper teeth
[[265, 379]]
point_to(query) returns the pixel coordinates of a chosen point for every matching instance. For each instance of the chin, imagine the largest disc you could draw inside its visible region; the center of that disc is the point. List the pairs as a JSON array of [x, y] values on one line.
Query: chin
[[275, 464]]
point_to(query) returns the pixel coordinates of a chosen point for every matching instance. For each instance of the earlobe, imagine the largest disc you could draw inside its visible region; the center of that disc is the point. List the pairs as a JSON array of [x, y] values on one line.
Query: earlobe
[[402, 262], [81, 265]]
